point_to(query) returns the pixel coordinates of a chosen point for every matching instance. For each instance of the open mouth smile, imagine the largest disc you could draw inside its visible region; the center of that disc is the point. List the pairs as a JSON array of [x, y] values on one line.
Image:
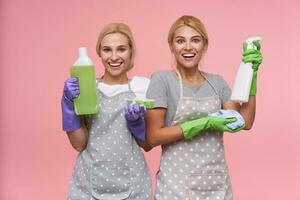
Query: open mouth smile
[[115, 65], [188, 55]]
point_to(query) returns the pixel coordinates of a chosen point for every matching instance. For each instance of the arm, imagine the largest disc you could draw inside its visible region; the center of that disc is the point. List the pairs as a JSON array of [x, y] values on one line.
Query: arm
[[135, 121], [71, 123], [157, 133], [78, 138], [144, 144], [247, 110]]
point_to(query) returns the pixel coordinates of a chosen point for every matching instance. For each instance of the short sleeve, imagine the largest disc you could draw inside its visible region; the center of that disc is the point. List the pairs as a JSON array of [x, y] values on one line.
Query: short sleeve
[[225, 91], [157, 90]]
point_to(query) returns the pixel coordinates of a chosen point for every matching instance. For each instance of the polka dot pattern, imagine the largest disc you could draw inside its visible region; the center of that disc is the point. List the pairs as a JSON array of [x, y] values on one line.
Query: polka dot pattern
[[194, 169], [112, 166]]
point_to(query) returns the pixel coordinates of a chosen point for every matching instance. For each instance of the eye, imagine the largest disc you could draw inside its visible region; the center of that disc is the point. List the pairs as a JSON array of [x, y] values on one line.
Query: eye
[[196, 40], [106, 50], [122, 49], [180, 41]]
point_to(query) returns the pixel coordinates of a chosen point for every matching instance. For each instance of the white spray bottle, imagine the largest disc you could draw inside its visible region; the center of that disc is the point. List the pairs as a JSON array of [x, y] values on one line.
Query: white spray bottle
[[243, 80]]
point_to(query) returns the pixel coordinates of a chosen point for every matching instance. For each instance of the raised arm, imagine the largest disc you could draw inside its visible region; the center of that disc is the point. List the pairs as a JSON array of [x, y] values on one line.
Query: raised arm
[[247, 110]]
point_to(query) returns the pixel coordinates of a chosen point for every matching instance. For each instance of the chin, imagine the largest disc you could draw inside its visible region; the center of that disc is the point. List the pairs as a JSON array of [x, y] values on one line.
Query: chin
[[189, 65]]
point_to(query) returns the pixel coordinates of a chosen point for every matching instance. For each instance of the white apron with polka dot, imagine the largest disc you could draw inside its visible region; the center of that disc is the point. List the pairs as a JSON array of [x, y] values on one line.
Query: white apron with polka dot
[[112, 166], [194, 169]]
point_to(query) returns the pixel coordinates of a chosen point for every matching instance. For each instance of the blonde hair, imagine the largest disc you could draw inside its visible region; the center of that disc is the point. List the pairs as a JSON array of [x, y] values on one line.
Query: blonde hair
[[192, 22], [117, 28]]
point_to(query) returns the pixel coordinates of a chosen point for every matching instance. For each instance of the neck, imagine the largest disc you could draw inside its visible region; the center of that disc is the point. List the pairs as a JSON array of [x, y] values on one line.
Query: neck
[[190, 75], [111, 80]]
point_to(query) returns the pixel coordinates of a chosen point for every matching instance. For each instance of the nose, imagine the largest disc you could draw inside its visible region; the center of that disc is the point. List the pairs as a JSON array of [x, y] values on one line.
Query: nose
[[114, 55], [188, 46]]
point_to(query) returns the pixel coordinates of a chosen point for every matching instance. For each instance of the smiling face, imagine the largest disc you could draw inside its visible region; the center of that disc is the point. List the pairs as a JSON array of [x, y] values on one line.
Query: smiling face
[[187, 47], [115, 54]]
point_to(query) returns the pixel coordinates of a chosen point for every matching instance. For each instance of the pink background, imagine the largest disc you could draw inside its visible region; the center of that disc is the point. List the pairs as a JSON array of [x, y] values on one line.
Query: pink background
[[39, 41]]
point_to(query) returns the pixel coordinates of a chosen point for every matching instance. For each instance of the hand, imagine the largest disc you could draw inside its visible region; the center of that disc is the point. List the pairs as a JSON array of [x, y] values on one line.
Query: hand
[[253, 56], [70, 121], [194, 127], [71, 88], [134, 115], [234, 126]]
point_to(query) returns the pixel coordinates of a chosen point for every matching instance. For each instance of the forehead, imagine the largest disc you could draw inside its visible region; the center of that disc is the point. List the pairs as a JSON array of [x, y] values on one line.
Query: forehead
[[114, 39], [186, 31]]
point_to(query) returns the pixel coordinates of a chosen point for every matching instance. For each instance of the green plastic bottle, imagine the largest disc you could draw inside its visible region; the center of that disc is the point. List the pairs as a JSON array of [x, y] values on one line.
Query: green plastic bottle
[[83, 69]]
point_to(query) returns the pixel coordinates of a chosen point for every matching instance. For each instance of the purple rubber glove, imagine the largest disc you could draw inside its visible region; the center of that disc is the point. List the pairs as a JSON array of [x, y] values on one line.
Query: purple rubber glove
[[134, 115], [70, 121]]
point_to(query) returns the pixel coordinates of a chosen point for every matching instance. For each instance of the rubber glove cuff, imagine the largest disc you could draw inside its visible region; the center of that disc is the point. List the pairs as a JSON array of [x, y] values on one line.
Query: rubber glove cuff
[[70, 121]]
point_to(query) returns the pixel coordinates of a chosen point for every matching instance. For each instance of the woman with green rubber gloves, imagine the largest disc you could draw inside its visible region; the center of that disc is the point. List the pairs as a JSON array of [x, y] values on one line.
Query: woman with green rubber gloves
[[193, 163]]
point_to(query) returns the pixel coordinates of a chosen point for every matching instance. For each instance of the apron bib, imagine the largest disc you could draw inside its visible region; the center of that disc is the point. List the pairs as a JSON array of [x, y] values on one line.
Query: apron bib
[[112, 166], [194, 169]]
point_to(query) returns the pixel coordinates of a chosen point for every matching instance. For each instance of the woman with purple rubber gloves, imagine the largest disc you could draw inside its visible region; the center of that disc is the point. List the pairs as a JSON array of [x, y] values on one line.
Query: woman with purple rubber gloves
[[110, 163]]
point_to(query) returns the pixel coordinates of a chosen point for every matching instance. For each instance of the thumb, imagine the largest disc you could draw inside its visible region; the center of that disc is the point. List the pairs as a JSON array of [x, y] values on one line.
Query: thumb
[[245, 46], [257, 44], [230, 120]]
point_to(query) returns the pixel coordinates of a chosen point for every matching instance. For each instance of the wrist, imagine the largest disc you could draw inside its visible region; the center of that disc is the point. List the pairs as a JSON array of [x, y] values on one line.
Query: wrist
[[253, 84]]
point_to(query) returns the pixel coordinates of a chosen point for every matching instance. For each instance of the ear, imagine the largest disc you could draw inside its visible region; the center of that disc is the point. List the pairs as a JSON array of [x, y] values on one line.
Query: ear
[[171, 48]]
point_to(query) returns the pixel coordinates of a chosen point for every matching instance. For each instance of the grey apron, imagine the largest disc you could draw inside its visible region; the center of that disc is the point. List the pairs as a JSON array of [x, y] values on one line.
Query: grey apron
[[112, 167], [194, 169]]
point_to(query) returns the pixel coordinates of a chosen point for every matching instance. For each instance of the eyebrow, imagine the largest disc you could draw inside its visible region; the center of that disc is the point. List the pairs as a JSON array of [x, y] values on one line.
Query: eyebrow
[[191, 37], [122, 45]]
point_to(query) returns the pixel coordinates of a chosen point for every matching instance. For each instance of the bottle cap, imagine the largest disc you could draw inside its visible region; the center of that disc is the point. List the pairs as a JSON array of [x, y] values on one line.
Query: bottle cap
[[82, 51]]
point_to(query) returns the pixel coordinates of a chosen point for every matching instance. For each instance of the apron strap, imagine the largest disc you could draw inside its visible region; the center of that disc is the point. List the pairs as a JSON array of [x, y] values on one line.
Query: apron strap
[[129, 87], [208, 81], [180, 82]]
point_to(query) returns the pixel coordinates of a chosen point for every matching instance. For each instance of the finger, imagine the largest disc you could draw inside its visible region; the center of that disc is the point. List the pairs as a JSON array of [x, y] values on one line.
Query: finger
[[76, 93], [230, 120], [73, 79], [136, 108], [257, 44], [245, 46], [126, 112], [72, 87], [142, 109], [250, 51], [252, 59], [74, 83]]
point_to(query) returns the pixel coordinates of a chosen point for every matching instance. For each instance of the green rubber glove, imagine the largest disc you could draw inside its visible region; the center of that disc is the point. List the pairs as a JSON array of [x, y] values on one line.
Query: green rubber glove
[[192, 128], [252, 56]]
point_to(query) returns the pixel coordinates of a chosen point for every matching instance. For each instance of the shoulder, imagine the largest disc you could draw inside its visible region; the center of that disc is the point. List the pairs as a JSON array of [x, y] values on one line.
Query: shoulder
[[162, 76]]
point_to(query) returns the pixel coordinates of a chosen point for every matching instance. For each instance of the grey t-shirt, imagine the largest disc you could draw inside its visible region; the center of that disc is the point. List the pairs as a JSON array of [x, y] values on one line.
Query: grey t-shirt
[[164, 88]]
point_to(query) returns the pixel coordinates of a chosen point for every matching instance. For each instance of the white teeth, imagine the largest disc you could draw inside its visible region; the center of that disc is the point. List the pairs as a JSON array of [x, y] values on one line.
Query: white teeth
[[115, 64], [188, 55]]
